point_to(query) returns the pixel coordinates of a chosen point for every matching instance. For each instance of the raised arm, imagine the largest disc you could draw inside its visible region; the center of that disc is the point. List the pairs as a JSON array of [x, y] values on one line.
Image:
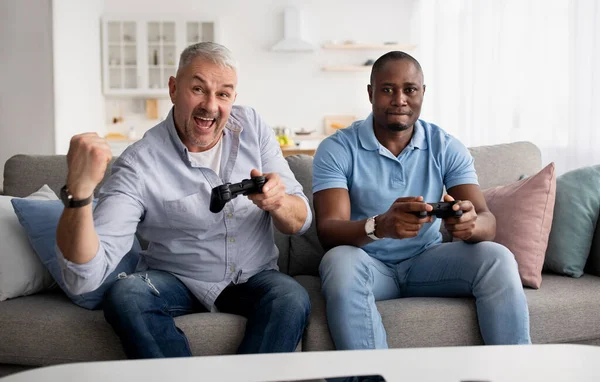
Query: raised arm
[[87, 160], [91, 245]]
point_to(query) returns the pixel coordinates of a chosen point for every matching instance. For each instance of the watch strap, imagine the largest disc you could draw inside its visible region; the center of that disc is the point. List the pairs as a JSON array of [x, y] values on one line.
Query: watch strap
[[70, 202]]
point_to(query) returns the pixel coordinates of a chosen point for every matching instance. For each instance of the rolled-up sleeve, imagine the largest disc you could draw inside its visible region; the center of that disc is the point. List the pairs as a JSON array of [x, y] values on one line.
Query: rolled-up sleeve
[[273, 161], [116, 216]]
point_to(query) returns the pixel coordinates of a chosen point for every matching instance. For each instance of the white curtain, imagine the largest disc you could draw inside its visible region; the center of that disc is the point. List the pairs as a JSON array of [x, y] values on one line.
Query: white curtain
[[507, 70]]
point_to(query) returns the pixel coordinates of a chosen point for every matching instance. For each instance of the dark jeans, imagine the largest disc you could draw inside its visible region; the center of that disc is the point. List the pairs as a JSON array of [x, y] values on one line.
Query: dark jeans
[[141, 309]]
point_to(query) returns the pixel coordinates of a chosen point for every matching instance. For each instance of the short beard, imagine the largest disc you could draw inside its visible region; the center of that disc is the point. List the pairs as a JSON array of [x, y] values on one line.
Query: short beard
[[189, 133], [397, 127]]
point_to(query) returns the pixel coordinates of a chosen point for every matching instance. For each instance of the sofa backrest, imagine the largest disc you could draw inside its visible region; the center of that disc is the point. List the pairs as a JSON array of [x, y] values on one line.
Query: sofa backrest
[[496, 165], [25, 174]]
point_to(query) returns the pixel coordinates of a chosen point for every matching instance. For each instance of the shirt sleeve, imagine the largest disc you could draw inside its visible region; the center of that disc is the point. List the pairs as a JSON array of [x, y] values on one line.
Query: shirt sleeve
[[332, 164], [116, 216], [459, 165], [273, 161]]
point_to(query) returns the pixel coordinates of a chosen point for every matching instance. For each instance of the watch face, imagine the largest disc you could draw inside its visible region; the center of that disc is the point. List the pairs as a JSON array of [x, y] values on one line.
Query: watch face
[[64, 196], [370, 226], [69, 202]]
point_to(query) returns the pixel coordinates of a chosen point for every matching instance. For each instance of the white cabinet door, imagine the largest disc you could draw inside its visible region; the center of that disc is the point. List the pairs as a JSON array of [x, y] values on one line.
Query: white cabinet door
[[120, 56], [140, 54]]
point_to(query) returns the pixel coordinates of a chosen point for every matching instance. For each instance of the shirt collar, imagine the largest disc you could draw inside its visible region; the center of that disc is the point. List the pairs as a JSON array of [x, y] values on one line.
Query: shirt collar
[[233, 125], [368, 141], [418, 141], [366, 134]]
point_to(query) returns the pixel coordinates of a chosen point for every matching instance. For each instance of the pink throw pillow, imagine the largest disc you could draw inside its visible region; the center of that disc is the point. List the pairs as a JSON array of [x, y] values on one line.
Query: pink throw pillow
[[523, 212]]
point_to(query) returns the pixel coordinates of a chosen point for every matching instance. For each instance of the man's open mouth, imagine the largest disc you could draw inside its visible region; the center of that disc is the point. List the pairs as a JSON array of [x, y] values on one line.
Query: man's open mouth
[[203, 122]]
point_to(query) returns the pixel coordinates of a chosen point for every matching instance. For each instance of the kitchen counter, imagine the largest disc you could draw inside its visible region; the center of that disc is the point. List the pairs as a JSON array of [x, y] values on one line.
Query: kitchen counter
[[306, 145], [287, 151]]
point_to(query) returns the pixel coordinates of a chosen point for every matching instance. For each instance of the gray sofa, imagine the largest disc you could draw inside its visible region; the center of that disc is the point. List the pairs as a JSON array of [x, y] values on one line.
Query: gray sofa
[[46, 328]]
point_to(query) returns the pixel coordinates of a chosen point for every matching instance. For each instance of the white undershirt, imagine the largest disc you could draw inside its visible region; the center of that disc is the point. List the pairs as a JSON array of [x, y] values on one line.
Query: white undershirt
[[209, 158]]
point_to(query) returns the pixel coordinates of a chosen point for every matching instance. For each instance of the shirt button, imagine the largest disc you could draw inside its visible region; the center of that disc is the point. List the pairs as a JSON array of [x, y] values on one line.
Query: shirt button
[[230, 215], [232, 268], [232, 239]]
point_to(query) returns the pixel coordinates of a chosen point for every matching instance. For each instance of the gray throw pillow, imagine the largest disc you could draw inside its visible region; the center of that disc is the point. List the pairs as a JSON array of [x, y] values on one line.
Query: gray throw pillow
[[576, 213]]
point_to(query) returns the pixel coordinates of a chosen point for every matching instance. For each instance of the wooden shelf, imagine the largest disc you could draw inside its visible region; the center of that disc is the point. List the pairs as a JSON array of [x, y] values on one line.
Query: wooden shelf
[[348, 68], [370, 46]]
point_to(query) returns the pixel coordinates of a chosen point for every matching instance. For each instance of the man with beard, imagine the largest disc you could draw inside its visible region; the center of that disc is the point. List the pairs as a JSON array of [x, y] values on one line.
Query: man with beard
[[196, 260], [369, 180]]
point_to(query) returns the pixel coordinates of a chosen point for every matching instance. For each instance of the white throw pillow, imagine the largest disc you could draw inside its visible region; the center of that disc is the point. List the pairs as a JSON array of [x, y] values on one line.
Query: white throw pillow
[[21, 271]]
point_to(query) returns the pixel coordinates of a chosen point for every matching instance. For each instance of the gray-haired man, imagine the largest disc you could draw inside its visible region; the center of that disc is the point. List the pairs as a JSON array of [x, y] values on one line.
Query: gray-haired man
[[196, 260]]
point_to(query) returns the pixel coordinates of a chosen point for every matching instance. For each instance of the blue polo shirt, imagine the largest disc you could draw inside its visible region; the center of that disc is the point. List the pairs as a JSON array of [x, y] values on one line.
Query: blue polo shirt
[[354, 159]]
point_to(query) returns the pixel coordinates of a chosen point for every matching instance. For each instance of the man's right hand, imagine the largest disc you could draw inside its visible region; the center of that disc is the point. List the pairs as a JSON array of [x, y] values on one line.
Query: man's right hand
[[87, 160], [400, 221]]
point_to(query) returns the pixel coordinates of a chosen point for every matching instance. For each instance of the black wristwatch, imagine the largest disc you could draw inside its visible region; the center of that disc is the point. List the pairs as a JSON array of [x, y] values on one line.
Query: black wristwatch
[[69, 202]]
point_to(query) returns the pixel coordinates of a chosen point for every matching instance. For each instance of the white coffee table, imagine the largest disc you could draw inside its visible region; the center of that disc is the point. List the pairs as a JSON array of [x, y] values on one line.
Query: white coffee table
[[453, 364]]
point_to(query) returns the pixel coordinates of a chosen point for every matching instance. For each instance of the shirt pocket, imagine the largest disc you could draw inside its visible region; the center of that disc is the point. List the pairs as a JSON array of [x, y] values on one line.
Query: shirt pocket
[[191, 213]]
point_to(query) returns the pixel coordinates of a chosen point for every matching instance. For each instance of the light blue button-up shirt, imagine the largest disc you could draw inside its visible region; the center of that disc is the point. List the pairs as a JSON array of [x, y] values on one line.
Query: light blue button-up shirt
[[354, 159], [158, 190]]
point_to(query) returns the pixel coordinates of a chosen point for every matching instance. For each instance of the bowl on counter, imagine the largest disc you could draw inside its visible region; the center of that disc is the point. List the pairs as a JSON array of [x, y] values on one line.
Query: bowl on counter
[[304, 132]]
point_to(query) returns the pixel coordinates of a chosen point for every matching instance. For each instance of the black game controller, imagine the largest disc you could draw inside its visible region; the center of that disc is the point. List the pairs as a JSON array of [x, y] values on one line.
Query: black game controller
[[222, 194], [441, 210]]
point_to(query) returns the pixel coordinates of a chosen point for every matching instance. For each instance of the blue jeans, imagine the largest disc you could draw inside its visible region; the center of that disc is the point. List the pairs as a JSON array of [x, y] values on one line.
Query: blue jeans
[[352, 281], [141, 309]]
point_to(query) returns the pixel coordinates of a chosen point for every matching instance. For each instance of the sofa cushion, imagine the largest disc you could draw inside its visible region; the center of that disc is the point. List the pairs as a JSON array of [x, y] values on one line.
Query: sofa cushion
[[409, 322], [576, 213], [21, 271], [40, 220], [564, 310], [46, 329], [523, 212], [305, 250]]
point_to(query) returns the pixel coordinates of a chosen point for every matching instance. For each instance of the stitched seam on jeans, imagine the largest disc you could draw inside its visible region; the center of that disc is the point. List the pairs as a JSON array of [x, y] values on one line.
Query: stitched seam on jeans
[[369, 313], [433, 283]]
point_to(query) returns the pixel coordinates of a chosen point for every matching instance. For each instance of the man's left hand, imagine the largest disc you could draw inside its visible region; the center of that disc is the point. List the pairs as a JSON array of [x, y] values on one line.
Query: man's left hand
[[462, 227], [273, 192]]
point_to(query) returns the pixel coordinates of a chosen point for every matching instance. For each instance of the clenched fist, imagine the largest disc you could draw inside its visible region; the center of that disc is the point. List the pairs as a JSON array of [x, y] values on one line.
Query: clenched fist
[[87, 160]]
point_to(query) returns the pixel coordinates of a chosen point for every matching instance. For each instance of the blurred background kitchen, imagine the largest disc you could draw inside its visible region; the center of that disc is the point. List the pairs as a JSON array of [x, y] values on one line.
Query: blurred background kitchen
[[496, 70]]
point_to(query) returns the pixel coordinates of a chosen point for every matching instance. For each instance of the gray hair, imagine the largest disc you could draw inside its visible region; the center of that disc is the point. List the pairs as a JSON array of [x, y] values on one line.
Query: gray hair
[[214, 52]]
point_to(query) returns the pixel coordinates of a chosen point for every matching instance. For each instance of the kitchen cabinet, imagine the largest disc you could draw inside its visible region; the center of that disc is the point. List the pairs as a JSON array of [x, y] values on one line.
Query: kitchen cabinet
[[139, 54]]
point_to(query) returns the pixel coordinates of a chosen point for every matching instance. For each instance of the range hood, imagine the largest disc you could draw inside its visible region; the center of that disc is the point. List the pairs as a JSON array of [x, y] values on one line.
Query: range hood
[[293, 40]]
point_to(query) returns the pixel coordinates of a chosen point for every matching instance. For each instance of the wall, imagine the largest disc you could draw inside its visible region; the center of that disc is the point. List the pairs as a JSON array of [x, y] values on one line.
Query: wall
[[26, 94], [290, 88], [79, 103]]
